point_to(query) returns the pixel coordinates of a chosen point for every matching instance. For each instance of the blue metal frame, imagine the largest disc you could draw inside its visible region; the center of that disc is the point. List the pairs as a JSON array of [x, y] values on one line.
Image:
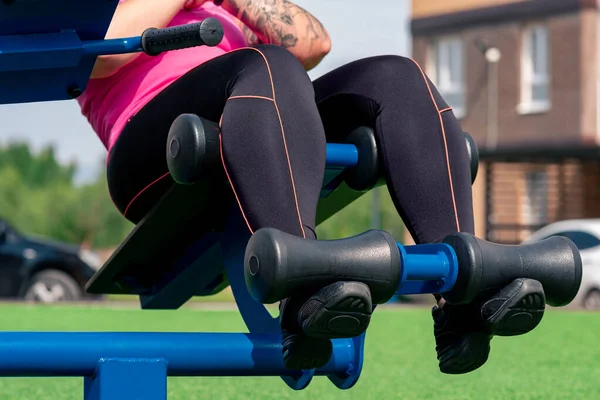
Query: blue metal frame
[[188, 354], [131, 365], [127, 378], [48, 48]]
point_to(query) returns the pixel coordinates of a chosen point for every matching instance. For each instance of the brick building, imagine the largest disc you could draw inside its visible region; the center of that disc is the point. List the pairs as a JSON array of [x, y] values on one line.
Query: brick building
[[523, 78]]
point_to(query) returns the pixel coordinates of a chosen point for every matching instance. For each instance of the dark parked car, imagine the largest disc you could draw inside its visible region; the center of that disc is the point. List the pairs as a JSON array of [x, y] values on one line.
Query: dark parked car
[[41, 270]]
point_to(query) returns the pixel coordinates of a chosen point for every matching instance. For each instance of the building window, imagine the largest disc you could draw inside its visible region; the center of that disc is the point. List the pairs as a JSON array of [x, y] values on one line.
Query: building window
[[446, 70], [535, 71], [535, 201]]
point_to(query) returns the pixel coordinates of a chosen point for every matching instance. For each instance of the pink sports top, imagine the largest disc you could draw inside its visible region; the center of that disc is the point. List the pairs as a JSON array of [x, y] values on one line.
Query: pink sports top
[[109, 102]]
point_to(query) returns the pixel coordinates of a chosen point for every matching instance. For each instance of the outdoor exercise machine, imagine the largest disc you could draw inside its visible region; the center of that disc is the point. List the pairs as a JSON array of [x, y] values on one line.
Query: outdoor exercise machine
[[194, 242]]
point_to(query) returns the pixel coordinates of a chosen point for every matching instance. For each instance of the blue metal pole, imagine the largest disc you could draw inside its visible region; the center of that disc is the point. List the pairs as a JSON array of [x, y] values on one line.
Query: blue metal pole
[[341, 155], [112, 46], [187, 354], [127, 379], [427, 268]]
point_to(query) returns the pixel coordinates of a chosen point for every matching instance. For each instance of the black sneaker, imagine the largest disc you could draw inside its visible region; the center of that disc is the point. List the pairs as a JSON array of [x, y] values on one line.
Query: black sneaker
[[300, 351], [461, 342], [463, 332], [340, 310]]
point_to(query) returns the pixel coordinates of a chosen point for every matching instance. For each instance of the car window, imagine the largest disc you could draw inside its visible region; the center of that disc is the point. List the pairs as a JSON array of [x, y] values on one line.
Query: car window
[[582, 240]]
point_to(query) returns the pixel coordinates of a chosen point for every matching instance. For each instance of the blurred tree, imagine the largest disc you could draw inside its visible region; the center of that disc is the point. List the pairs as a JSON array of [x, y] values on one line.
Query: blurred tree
[[358, 217], [36, 170], [102, 225], [38, 196]]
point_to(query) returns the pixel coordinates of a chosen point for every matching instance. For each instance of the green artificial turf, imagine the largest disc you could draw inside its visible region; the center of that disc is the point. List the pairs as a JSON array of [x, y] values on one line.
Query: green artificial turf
[[559, 360]]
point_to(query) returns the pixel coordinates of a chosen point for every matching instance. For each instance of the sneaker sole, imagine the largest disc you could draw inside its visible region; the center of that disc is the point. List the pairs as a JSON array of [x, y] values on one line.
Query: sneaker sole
[[301, 352], [470, 355], [345, 312], [521, 313]]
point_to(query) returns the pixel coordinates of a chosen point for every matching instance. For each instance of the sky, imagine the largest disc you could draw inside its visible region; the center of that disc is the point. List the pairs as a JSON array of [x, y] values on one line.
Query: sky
[[356, 31]]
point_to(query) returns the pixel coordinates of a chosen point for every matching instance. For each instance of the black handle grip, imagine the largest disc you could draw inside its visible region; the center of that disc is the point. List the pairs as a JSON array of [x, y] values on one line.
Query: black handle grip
[[278, 265], [208, 33], [486, 267]]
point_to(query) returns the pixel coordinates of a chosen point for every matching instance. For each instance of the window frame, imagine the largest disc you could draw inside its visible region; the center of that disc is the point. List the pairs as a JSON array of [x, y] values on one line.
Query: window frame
[[529, 78], [534, 211]]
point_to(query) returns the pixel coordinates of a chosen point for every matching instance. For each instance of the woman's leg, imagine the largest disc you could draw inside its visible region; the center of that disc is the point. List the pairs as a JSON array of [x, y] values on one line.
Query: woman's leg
[[422, 145], [426, 166], [273, 151]]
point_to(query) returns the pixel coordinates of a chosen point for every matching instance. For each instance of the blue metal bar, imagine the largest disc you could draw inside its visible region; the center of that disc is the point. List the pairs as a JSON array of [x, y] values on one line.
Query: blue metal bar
[[341, 155], [127, 378], [112, 46], [427, 268], [188, 354]]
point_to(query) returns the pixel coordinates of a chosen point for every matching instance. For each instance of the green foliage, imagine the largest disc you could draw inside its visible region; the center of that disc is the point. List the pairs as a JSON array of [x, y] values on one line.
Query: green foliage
[[36, 170], [360, 216], [38, 195], [103, 225]]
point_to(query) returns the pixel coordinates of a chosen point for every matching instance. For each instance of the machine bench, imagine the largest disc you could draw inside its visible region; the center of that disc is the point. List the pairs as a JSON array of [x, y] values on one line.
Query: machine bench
[[189, 222]]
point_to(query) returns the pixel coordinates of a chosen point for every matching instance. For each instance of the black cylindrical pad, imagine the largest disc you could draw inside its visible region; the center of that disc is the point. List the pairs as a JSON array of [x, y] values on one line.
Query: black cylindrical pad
[[192, 148], [365, 175], [278, 265], [485, 268]]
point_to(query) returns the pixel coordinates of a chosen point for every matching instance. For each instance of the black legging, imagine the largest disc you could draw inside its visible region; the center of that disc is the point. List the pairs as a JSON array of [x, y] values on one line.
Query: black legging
[[275, 123]]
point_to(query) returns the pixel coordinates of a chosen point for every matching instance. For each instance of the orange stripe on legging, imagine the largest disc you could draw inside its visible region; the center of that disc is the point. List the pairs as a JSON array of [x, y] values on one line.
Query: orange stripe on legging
[[160, 178], [439, 112], [231, 183], [282, 136], [251, 97]]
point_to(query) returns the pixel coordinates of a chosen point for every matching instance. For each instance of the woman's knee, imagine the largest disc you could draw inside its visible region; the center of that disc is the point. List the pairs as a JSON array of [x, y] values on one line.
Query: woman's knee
[[274, 53], [281, 66], [271, 56], [399, 74], [389, 67]]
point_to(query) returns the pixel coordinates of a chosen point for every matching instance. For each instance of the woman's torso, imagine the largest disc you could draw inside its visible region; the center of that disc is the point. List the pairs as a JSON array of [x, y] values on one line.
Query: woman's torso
[[109, 102]]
